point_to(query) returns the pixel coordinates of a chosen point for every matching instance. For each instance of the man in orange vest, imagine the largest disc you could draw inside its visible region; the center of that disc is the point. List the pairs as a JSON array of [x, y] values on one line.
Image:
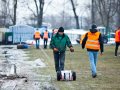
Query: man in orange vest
[[117, 40], [93, 43], [37, 38], [45, 37]]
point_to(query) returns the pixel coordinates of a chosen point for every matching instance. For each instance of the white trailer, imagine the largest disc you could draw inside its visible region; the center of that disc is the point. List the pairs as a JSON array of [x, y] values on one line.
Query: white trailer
[[21, 33]]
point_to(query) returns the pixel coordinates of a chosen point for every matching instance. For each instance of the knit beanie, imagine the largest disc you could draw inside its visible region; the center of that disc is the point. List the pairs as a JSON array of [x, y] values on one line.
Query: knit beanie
[[61, 29], [93, 26]]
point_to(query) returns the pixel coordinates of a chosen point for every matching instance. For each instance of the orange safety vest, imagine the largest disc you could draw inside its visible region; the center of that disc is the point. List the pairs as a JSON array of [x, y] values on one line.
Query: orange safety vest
[[37, 35], [92, 41], [45, 35], [117, 36], [81, 38]]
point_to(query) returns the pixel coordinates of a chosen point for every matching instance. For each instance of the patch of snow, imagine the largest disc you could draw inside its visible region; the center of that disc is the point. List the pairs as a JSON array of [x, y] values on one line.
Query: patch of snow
[[24, 67], [39, 63]]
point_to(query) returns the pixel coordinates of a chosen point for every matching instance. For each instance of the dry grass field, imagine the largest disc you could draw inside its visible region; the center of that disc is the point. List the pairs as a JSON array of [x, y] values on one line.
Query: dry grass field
[[108, 69]]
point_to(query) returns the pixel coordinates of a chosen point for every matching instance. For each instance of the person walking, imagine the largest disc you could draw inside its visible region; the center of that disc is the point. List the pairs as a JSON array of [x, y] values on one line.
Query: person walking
[[54, 31], [45, 37], [93, 43], [58, 43], [37, 38], [117, 40]]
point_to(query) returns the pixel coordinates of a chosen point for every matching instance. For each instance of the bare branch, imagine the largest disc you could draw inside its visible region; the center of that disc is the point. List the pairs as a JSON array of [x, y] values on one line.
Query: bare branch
[[36, 7], [48, 6], [31, 10]]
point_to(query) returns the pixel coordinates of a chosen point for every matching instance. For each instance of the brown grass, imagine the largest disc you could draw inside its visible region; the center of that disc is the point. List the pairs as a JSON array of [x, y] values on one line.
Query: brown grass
[[108, 68]]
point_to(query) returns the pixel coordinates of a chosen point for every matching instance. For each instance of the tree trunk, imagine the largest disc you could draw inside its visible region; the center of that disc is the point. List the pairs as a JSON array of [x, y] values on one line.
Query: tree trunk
[[76, 17], [93, 12], [40, 14], [15, 8], [118, 14], [107, 25]]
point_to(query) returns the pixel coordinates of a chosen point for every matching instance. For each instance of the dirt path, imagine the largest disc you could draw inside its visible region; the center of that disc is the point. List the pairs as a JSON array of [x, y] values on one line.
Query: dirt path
[[27, 79]]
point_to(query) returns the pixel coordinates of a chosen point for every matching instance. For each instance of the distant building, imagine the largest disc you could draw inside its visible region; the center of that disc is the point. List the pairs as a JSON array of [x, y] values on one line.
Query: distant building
[[21, 33]]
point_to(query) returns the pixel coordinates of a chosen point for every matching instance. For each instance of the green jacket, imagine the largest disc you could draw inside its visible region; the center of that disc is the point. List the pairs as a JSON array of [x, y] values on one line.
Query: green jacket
[[60, 42]]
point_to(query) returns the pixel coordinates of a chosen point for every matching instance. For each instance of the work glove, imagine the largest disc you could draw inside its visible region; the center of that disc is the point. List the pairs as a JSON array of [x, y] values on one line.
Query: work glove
[[71, 49], [55, 49]]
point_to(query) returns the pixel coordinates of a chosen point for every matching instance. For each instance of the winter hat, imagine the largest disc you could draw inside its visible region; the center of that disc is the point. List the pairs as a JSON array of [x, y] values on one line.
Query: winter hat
[[61, 29], [93, 26]]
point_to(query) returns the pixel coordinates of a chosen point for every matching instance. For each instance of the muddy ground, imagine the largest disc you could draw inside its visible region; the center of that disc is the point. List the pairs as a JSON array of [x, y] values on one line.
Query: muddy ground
[[16, 71]]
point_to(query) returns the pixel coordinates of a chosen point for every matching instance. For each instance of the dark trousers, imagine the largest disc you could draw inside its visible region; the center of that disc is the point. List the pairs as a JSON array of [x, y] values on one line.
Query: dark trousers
[[45, 43], [59, 59], [37, 43], [116, 48]]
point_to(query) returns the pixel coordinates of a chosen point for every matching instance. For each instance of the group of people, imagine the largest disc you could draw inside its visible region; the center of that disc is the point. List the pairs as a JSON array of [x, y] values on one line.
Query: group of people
[[45, 35], [92, 41]]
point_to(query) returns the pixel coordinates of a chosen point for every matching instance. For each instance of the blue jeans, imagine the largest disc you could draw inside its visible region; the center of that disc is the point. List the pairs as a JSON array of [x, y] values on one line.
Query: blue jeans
[[37, 43], [59, 59], [93, 57]]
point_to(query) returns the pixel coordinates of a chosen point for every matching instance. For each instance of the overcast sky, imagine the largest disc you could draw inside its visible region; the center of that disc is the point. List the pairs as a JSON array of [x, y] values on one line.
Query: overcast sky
[[52, 7]]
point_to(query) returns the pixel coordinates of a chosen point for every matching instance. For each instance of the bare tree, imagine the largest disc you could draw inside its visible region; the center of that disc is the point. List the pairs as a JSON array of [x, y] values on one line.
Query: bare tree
[[4, 13], [106, 9], [76, 16], [15, 8], [118, 14], [39, 9], [38, 14], [8, 15]]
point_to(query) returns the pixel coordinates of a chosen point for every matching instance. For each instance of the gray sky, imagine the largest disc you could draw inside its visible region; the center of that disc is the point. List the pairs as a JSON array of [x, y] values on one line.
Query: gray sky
[[52, 7]]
